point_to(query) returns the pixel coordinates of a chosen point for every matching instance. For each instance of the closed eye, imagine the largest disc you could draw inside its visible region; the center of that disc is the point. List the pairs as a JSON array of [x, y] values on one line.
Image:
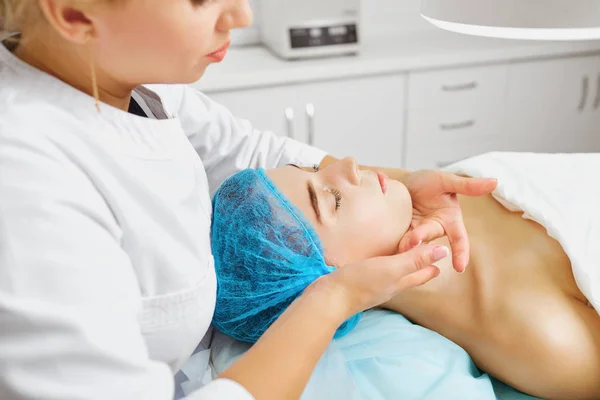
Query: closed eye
[[338, 198]]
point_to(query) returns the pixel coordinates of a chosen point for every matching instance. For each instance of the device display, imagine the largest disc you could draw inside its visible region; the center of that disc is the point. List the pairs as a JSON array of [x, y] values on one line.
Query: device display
[[323, 36]]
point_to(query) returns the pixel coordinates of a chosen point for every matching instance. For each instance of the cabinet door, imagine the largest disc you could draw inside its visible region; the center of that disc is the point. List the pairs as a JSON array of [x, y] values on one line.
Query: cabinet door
[[268, 109], [550, 104], [581, 100], [362, 118], [454, 114], [581, 125], [438, 157]]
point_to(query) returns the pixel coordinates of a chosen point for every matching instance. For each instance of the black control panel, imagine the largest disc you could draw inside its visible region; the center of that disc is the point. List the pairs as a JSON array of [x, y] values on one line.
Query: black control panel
[[319, 36]]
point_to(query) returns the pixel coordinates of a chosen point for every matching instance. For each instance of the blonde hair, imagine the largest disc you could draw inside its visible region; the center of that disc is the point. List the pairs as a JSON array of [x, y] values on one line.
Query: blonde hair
[[13, 14]]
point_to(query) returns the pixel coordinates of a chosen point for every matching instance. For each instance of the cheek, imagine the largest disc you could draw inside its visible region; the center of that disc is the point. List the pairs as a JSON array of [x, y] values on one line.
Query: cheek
[[367, 212], [174, 48], [379, 224], [362, 231], [399, 204]]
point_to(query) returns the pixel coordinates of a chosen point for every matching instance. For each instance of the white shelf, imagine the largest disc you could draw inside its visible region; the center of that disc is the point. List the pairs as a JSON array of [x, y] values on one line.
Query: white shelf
[[253, 67]]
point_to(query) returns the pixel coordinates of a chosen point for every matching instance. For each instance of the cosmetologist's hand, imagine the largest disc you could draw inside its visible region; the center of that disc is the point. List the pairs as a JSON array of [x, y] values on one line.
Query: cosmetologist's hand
[[436, 211], [370, 283]]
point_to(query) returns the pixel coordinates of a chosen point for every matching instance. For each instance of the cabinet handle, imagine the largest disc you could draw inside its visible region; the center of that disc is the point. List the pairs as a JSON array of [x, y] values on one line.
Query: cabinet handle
[[459, 125], [597, 99], [584, 93], [460, 87], [310, 115], [289, 117]]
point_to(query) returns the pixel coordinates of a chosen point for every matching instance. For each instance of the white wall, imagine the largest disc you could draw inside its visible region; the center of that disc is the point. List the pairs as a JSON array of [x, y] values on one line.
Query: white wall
[[391, 17], [379, 18]]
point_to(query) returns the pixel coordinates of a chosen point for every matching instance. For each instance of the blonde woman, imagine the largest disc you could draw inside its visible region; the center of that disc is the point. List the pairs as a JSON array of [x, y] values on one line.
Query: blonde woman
[[107, 282]]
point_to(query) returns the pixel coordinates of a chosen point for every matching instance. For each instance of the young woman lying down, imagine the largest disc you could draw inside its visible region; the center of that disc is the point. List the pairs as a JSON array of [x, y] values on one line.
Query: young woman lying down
[[524, 307]]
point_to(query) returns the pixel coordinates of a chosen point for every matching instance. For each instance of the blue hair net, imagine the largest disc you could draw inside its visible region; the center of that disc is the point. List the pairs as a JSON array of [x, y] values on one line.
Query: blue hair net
[[266, 253]]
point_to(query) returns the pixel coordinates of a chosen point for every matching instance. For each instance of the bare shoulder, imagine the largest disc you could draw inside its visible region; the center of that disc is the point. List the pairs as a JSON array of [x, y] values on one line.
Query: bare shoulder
[[574, 348], [550, 349]]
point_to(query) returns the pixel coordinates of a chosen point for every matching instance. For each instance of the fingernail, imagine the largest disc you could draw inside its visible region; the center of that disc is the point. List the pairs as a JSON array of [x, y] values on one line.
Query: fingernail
[[440, 252]]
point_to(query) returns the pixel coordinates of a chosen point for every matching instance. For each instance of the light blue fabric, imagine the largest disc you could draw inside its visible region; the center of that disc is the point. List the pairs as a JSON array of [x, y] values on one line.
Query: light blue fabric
[[266, 253], [386, 357]]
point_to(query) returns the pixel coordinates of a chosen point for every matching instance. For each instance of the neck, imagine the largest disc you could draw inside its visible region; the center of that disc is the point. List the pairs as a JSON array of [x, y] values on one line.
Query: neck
[[71, 63]]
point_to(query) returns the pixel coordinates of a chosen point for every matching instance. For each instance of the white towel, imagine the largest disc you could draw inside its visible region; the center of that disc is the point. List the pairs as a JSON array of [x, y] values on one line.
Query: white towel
[[561, 192]]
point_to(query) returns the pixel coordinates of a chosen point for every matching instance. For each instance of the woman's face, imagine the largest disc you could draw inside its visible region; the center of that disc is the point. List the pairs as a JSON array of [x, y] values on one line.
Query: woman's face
[[163, 41], [355, 216]]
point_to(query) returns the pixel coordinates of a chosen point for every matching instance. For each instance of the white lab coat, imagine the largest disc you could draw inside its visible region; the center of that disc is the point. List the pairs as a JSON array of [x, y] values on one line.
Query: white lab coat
[[106, 275]]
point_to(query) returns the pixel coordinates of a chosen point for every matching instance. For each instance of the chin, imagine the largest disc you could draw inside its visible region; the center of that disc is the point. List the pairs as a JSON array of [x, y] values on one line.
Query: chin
[[399, 194], [199, 72], [192, 77], [189, 76], [401, 204]]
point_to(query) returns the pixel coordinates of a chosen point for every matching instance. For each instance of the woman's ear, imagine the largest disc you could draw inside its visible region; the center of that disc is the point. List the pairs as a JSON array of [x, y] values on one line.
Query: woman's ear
[[70, 21]]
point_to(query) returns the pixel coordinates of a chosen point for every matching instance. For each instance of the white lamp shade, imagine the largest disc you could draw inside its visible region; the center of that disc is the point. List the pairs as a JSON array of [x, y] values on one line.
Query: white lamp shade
[[517, 19]]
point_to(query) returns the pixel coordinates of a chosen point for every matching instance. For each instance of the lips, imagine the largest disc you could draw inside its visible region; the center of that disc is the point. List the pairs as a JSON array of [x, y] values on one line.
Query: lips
[[220, 53], [383, 181]]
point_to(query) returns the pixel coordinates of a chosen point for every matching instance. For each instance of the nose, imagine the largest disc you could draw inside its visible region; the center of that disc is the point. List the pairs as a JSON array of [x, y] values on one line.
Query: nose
[[349, 168], [237, 14]]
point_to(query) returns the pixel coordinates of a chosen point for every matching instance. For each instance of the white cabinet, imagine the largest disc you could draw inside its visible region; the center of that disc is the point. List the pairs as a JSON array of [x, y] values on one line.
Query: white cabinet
[[554, 105], [266, 108], [361, 117], [538, 106], [429, 119], [454, 114]]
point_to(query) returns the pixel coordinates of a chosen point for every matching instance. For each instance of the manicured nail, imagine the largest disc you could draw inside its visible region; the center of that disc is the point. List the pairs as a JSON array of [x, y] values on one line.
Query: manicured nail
[[440, 252]]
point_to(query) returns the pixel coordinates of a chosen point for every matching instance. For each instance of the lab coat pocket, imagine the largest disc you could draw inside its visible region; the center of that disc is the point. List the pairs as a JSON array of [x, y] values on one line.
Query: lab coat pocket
[[173, 324]]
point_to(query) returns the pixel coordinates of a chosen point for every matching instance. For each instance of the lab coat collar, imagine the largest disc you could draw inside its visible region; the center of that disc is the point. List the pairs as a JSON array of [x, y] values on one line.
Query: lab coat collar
[[81, 105]]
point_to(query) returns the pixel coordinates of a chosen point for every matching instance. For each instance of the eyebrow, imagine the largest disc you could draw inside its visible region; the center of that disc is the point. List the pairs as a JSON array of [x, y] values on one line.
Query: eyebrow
[[312, 194], [314, 201]]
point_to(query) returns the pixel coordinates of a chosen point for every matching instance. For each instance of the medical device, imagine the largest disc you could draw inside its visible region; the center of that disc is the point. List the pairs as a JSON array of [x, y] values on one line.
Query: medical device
[[310, 28]]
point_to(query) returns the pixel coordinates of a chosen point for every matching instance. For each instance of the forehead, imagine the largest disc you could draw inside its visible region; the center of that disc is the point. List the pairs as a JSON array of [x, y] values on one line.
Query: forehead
[[292, 182]]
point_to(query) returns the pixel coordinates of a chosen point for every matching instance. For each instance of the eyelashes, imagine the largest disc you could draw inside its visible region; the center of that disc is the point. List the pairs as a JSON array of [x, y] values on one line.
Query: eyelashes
[[338, 198], [336, 195]]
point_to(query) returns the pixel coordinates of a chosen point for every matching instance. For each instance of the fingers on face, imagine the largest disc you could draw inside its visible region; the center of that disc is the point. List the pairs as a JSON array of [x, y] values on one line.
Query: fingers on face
[[423, 233], [421, 269], [416, 259], [471, 186], [459, 243], [419, 278], [428, 231]]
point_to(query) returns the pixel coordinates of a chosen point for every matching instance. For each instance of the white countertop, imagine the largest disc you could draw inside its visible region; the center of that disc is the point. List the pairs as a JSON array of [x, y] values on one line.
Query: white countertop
[[251, 67]]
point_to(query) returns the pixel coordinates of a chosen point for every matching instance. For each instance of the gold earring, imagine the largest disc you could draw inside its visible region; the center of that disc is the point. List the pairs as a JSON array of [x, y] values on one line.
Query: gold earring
[[88, 41]]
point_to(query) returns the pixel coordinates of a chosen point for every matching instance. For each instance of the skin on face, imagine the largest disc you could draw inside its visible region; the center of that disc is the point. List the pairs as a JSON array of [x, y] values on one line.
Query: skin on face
[[171, 36], [355, 219], [130, 42]]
